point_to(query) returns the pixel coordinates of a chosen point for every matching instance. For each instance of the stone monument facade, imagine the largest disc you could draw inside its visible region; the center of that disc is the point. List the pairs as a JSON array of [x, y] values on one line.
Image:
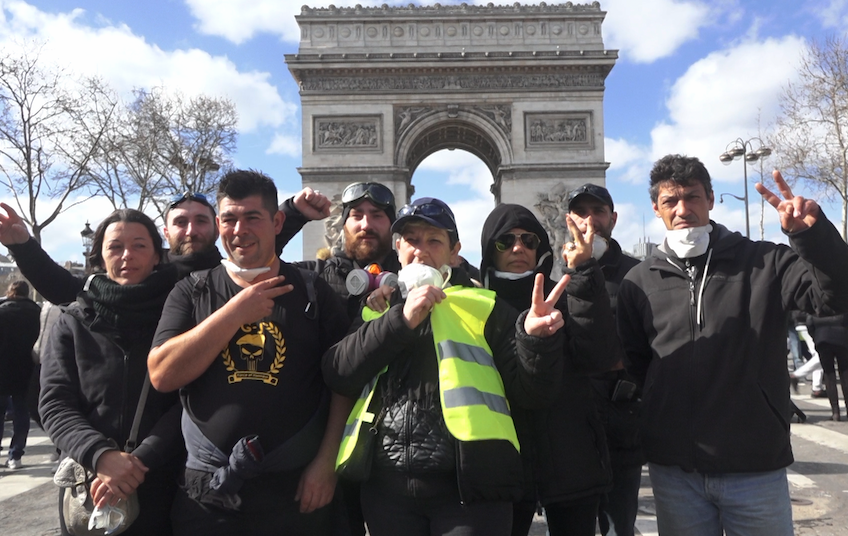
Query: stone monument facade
[[519, 86]]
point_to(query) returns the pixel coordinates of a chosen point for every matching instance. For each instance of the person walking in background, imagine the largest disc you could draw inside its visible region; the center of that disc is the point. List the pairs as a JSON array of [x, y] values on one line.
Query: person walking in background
[[19, 323], [830, 335]]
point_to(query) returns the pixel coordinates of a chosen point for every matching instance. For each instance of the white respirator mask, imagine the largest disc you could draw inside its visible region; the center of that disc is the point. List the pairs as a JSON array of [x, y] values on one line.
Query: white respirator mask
[[416, 275]]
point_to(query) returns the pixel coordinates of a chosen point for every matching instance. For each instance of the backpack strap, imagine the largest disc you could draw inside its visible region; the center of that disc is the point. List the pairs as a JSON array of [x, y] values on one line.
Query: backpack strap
[[309, 277]]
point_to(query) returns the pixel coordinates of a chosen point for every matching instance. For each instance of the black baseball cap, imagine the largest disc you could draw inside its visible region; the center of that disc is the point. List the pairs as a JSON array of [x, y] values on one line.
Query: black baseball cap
[[598, 192], [430, 210]]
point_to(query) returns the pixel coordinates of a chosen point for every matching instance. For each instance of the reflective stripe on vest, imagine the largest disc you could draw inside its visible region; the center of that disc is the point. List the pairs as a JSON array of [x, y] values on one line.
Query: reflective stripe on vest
[[359, 414], [471, 389]]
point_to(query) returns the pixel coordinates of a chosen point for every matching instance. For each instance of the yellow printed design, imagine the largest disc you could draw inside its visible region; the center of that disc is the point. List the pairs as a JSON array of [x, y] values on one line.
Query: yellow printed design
[[251, 341]]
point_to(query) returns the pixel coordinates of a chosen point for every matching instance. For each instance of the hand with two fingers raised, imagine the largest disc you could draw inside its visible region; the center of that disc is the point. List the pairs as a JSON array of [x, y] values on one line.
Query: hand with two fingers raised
[[579, 250], [796, 213], [543, 318], [257, 301]]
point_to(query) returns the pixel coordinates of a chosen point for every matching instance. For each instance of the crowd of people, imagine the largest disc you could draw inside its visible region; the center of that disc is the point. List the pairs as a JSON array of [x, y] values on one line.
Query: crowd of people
[[243, 394]]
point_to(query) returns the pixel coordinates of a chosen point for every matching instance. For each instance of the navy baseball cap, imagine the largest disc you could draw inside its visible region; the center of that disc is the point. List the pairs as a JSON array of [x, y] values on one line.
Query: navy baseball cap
[[430, 210], [598, 192]]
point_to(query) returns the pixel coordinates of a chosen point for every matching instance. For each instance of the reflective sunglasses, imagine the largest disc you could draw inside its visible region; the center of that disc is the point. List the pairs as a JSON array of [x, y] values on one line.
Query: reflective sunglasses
[[507, 240], [188, 195], [376, 192], [427, 209]]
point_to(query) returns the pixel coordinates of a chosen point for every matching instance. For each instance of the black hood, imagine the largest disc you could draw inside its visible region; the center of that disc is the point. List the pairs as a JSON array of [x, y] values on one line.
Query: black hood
[[501, 220]]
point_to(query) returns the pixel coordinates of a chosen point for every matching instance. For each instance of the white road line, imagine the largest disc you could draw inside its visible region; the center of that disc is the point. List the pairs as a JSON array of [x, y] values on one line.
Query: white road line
[[799, 481], [646, 525], [822, 436]]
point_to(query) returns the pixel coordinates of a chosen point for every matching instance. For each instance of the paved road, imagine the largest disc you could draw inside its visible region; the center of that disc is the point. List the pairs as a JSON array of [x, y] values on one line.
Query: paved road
[[818, 482]]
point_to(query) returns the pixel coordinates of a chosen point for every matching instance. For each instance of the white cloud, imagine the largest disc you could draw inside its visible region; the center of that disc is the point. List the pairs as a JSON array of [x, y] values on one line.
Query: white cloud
[[461, 168], [127, 61], [240, 20], [647, 30], [831, 13], [628, 162], [285, 144], [719, 98]]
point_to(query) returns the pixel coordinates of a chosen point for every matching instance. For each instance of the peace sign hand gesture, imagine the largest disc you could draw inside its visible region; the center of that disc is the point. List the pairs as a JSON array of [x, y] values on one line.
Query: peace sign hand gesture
[[544, 319], [796, 213], [579, 250]]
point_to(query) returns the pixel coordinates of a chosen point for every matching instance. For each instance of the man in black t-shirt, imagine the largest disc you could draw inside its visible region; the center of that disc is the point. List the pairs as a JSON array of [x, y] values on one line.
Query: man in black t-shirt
[[244, 342]]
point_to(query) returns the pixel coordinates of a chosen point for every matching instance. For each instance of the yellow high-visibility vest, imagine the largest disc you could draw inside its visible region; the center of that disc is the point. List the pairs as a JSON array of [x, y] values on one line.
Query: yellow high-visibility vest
[[471, 390]]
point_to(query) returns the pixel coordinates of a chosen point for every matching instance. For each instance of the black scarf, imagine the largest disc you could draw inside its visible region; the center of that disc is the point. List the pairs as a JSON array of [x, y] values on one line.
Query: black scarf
[[130, 306]]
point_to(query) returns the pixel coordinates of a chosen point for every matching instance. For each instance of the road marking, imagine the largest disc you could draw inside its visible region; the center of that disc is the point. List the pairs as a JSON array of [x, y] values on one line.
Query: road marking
[[822, 436], [799, 481], [646, 525]]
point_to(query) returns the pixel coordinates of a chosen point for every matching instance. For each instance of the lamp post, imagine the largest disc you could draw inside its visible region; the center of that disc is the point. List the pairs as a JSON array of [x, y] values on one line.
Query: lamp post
[[87, 238], [744, 149]]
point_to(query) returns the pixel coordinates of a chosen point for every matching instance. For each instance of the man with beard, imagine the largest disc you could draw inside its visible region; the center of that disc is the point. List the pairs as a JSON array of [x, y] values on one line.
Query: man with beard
[[189, 228], [368, 211], [617, 512]]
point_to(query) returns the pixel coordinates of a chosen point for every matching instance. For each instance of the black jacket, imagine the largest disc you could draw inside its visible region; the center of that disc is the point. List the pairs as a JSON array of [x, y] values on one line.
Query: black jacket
[[832, 330], [19, 323], [413, 441], [707, 337], [333, 270], [91, 380], [563, 447]]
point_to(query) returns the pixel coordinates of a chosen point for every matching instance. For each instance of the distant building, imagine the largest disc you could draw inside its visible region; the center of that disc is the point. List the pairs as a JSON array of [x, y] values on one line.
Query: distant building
[[644, 248], [75, 268]]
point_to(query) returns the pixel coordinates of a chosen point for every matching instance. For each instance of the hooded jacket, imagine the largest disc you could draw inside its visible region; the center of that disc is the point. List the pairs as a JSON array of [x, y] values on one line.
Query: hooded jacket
[[707, 337], [563, 446]]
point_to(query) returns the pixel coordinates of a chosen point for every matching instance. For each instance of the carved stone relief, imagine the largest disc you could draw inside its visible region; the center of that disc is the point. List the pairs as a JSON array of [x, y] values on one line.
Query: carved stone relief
[[414, 82], [333, 226], [553, 206], [335, 134], [558, 129], [499, 114]]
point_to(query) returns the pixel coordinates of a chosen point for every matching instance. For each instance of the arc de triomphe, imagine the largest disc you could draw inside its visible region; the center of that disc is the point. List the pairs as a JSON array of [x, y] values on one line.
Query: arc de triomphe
[[519, 86]]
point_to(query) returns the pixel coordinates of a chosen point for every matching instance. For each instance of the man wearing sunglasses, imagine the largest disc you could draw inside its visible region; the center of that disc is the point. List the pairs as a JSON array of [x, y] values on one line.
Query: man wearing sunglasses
[[563, 448], [618, 508], [368, 210]]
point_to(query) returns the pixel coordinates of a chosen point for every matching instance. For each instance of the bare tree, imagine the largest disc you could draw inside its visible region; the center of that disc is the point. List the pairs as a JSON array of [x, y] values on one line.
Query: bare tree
[[50, 128], [165, 144], [811, 137]]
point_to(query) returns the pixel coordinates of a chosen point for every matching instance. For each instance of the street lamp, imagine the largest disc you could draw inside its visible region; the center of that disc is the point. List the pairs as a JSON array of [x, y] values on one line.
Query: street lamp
[[87, 238], [744, 149]]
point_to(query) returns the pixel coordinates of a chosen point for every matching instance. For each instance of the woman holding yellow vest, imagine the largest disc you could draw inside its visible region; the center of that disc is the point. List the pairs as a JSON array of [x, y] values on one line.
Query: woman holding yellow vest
[[436, 375]]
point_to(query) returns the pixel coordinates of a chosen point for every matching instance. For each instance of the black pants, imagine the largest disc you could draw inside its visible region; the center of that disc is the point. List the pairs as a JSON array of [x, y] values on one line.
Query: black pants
[[573, 518], [389, 514], [268, 508]]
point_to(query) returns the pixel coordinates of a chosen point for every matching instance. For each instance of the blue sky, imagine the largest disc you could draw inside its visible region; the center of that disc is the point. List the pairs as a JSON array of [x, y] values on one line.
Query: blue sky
[[692, 76]]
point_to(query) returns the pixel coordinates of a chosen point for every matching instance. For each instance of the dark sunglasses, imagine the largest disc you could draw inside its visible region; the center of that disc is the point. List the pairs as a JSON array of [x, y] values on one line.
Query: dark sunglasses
[[427, 209], [507, 240], [374, 191], [188, 196]]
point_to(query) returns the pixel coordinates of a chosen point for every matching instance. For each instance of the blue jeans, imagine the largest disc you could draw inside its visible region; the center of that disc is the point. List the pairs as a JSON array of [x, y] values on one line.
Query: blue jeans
[[20, 424], [743, 504]]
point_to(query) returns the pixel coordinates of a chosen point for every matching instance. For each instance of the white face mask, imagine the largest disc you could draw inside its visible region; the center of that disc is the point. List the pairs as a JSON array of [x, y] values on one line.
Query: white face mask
[[690, 242], [599, 247], [416, 275], [247, 274]]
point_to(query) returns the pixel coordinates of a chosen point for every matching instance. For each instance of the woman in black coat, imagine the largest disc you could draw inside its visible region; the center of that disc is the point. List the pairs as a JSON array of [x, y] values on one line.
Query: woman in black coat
[[563, 448], [95, 364]]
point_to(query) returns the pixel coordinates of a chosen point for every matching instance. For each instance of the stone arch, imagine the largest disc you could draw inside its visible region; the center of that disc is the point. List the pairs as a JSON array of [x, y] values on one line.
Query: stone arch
[[519, 86], [453, 129]]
